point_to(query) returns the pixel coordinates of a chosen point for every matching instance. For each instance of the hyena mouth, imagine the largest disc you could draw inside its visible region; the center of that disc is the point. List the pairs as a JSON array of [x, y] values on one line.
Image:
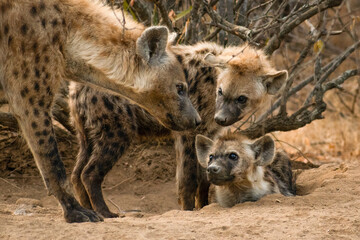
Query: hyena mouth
[[240, 116], [217, 180]]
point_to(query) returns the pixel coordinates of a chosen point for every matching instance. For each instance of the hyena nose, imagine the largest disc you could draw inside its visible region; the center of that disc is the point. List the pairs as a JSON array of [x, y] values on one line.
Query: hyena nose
[[213, 169], [220, 120]]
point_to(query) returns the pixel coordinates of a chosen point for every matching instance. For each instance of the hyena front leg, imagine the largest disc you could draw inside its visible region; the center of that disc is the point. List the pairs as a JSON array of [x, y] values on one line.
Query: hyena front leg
[[107, 149], [186, 170], [202, 193], [33, 112]]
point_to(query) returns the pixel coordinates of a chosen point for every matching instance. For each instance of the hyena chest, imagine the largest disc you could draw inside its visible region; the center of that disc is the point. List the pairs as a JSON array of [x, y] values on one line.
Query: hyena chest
[[261, 188]]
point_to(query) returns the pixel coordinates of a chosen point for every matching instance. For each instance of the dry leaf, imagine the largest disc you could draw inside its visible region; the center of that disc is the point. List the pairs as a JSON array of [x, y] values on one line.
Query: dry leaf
[[318, 46], [172, 15]]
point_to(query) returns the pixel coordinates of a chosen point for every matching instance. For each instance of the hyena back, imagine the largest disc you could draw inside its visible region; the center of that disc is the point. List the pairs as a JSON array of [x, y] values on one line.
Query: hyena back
[[43, 42], [242, 170], [107, 125]]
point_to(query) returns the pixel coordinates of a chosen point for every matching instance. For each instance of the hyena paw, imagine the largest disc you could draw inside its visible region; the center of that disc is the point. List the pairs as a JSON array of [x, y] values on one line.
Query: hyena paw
[[108, 214], [80, 214]]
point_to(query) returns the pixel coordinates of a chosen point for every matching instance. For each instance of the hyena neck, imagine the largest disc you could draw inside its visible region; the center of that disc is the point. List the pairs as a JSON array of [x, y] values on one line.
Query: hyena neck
[[98, 37], [259, 185], [252, 188], [225, 197]]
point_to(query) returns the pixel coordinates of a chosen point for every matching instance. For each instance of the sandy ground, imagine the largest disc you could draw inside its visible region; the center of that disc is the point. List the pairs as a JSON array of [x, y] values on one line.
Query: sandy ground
[[327, 207], [142, 189]]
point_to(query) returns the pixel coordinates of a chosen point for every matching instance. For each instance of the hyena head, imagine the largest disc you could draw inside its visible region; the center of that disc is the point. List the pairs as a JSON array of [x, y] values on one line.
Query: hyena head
[[163, 85], [246, 79], [232, 158]]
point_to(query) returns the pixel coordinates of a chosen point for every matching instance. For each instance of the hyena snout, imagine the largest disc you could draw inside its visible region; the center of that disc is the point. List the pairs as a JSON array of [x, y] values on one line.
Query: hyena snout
[[194, 117], [189, 117], [217, 174], [213, 169], [225, 117]]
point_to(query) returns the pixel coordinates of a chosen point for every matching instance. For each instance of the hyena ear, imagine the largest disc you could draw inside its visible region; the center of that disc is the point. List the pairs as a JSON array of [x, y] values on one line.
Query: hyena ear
[[264, 149], [151, 45], [274, 81], [214, 61], [203, 146]]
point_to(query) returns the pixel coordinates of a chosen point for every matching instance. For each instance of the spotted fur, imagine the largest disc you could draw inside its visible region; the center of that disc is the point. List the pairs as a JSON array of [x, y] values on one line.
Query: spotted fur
[[203, 79], [43, 42]]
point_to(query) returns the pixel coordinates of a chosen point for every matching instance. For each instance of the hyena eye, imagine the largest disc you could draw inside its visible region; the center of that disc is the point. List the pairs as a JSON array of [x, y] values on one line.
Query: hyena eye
[[180, 89], [220, 92], [242, 99], [211, 157], [233, 156]]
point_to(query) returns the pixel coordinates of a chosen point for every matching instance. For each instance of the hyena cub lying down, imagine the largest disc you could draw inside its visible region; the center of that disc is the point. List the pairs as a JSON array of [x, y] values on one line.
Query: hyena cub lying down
[[242, 170], [107, 124]]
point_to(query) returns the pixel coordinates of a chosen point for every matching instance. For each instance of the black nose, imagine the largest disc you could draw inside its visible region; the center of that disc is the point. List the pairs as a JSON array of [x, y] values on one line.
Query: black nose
[[213, 169], [220, 120]]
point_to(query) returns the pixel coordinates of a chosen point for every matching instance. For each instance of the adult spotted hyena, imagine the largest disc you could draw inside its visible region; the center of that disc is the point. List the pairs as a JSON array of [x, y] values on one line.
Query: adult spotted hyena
[[242, 170], [42, 42], [107, 125]]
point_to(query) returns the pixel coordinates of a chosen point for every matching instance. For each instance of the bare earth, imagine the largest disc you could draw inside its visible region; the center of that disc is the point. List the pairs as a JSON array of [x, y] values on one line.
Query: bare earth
[[142, 187]]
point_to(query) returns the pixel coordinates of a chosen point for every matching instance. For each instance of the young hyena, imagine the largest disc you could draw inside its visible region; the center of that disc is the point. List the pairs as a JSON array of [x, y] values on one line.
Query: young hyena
[[42, 42], [107, 124], [242, 170]]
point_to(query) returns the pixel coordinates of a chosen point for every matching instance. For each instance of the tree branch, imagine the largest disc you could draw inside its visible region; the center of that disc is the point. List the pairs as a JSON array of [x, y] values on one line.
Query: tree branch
[[341, 79], [332, 65], [192, 36], [164, 14], [242, 32], [284, 123], [274, 42]]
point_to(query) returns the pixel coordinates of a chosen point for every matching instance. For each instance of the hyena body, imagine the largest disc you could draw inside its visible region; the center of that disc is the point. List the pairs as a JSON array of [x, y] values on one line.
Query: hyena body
[[242, 170], [107, 125], [43, 42]]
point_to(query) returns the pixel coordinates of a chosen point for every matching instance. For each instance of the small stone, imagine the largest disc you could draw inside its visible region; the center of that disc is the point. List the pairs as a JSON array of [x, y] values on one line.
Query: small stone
[[29, 202]]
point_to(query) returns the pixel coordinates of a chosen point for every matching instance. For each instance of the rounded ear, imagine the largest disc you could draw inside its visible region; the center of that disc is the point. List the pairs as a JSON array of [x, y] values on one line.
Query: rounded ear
[[151, 45], [274, 81], [203, 146], [264, 149], [214, 61]]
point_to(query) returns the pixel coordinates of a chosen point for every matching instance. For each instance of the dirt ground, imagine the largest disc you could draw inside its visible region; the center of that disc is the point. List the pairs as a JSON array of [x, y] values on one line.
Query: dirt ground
[[142, 188]]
